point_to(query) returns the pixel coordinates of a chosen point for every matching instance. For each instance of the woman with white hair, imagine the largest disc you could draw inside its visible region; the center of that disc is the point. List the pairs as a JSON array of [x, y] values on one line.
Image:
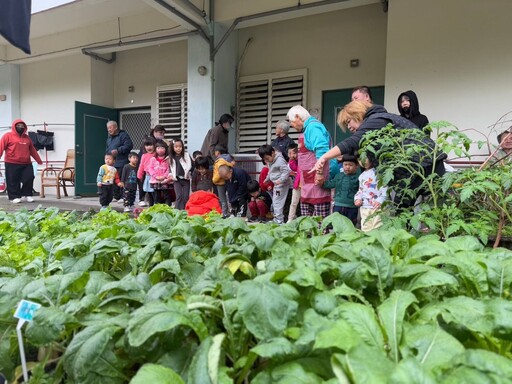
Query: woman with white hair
[[282, 140], [314, 141]]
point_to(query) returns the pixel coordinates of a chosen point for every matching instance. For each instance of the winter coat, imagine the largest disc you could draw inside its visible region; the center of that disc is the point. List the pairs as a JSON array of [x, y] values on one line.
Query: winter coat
[[413, 114], [215, 136], [186, 164], [221, 160], [279, 170], [18, 148], [237, 186], [123, 144], [158, 167], [202, 203], [281, 144]]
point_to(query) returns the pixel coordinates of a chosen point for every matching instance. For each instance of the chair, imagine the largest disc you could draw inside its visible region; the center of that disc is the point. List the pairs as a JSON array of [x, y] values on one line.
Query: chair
[[60, 177]]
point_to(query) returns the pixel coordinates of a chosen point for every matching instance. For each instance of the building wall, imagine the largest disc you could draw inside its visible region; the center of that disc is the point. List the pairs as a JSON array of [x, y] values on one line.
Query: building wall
[[456, 57], [146, 69], [102, 83], [324, 44]]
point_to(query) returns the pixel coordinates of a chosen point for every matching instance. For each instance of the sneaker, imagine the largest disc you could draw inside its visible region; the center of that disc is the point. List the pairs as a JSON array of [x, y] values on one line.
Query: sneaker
[[143, 204], [116, 200], [277, 221], [16, 201], [29, 199], [127, 209], [103, 207]]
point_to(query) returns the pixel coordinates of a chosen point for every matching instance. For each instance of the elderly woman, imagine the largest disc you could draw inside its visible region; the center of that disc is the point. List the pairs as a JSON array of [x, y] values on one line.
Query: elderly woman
[[361, 117], [282, 140], [314, 142]]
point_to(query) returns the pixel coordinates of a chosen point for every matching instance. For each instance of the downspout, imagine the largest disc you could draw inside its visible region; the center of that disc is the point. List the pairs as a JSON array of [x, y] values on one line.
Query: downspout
[[185, 18], [212, 58], [238, 20]]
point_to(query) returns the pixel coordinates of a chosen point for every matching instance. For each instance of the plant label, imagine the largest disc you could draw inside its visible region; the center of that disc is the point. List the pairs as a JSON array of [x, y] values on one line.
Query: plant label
[[26, 310]]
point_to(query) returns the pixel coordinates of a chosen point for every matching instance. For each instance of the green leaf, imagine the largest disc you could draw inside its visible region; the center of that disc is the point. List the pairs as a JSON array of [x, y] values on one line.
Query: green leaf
[[409, 371], [431, 278], [170, 265], [305, 277], [154, 373], [340, 335], [391, 314], [362, 319], [86, 349], [430, 345], [464, 243], [48, 325], [356, 364], [274, 349], [288, 373], [264, 308], [340, 223], [262, 240], [214, 357], [379, 265], [198, 371], [155, 317]]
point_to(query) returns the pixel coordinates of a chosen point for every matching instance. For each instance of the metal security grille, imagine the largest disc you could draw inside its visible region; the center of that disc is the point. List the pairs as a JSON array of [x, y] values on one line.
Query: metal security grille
[[171, 104], [137, 124], [262, 101]]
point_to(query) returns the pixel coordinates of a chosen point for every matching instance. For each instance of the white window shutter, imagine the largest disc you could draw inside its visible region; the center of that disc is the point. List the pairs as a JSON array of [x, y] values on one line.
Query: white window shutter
[[171, 106], [263, 100]]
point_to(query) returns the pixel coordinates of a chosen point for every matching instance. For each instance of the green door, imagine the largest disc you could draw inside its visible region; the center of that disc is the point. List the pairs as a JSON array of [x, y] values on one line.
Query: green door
[[334, 100], [90, 143]]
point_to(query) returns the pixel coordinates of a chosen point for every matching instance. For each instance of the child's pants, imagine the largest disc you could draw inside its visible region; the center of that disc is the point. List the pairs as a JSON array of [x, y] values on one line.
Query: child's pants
[[278, 201], [221, 192], [129, 197], [258, 208], [106, 195], [350, 213], [182, 190], [292, 214], [369, 221]]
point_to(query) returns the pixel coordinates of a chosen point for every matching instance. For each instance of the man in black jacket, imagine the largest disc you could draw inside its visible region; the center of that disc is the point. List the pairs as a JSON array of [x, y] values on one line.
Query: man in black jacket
[[119, 144], [409, 108], [236, 186]]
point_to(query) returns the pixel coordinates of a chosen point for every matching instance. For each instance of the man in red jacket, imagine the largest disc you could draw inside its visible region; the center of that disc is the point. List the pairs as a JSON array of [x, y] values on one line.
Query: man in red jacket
[[19, 172]]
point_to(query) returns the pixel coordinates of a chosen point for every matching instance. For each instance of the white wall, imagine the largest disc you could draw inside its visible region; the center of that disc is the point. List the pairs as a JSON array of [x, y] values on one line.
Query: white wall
[[48, 93], [456, 56], [10, 87], [145, 69], [324, 44], [102, 83]]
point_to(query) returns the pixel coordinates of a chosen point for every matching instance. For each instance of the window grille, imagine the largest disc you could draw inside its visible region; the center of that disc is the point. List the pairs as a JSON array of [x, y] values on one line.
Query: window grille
[[137, 124], [172, 110], [263, 100]]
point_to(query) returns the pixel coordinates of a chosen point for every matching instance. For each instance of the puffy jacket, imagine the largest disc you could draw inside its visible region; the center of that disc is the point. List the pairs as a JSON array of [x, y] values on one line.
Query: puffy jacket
[[202, 203], [18, 148], [221, 160], [123, 144]]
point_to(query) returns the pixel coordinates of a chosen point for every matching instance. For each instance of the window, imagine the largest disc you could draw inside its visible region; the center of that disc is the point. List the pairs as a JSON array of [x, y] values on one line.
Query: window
[[137, 123], [171, 108], [262, 101]]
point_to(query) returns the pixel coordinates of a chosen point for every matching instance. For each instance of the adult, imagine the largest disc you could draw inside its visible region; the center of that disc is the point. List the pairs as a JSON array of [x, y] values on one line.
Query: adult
[[217, 135], [362, 93], [503, 155], [119, 144], [19, 173], [361, 117], [409, 107], [314, 142], [236, 186], [282, 140]]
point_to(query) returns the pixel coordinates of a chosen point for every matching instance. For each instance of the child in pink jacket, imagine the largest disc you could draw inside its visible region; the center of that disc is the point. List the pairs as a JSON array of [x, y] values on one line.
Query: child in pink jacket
[[143, 174], [159, 171]]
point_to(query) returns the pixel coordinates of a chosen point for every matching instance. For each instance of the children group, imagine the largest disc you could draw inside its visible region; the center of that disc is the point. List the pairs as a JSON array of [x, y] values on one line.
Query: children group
[[165, 173]]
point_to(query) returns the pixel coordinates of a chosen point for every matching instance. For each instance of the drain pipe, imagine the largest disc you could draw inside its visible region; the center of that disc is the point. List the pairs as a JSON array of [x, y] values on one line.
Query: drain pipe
[[183, 17], [238, 20], [90, 50]]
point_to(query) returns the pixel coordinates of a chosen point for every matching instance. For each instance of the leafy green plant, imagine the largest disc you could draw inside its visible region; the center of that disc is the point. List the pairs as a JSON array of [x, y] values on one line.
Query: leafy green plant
[[168, 298]]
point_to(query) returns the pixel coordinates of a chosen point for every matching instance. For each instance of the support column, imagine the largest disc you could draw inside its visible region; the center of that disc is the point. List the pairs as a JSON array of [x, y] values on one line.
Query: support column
[[225, 81], [10, 88], [200, 92]]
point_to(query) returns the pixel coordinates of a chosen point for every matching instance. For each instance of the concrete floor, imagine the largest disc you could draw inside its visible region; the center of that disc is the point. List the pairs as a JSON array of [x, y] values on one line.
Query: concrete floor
[[65, 204]]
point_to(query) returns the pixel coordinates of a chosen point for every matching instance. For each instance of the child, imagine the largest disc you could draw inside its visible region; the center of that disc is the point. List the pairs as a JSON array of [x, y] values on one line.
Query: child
[[346, 185], [181, 167], [222, 157], [196, 155], [158, 168], [202, 175], [279, 174], [265, 185], [107, 177], [260, 202], [142, 173], [236, 186], [293, 164], [370, 198], [129, 179]]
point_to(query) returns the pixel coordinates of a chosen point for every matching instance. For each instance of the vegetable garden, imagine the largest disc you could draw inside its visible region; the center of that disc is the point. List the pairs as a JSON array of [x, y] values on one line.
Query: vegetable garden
[[173, 299]]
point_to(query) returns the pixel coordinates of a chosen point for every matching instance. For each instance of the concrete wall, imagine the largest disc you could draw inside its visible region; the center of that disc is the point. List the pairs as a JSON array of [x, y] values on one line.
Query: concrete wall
[[455, 55], [10, 87], [324, 44], [102, 83], [145, 69]]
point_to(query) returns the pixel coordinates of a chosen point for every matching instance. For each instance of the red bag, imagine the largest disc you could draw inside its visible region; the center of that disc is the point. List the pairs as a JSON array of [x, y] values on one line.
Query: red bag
[[3, 185], [202, 203]]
